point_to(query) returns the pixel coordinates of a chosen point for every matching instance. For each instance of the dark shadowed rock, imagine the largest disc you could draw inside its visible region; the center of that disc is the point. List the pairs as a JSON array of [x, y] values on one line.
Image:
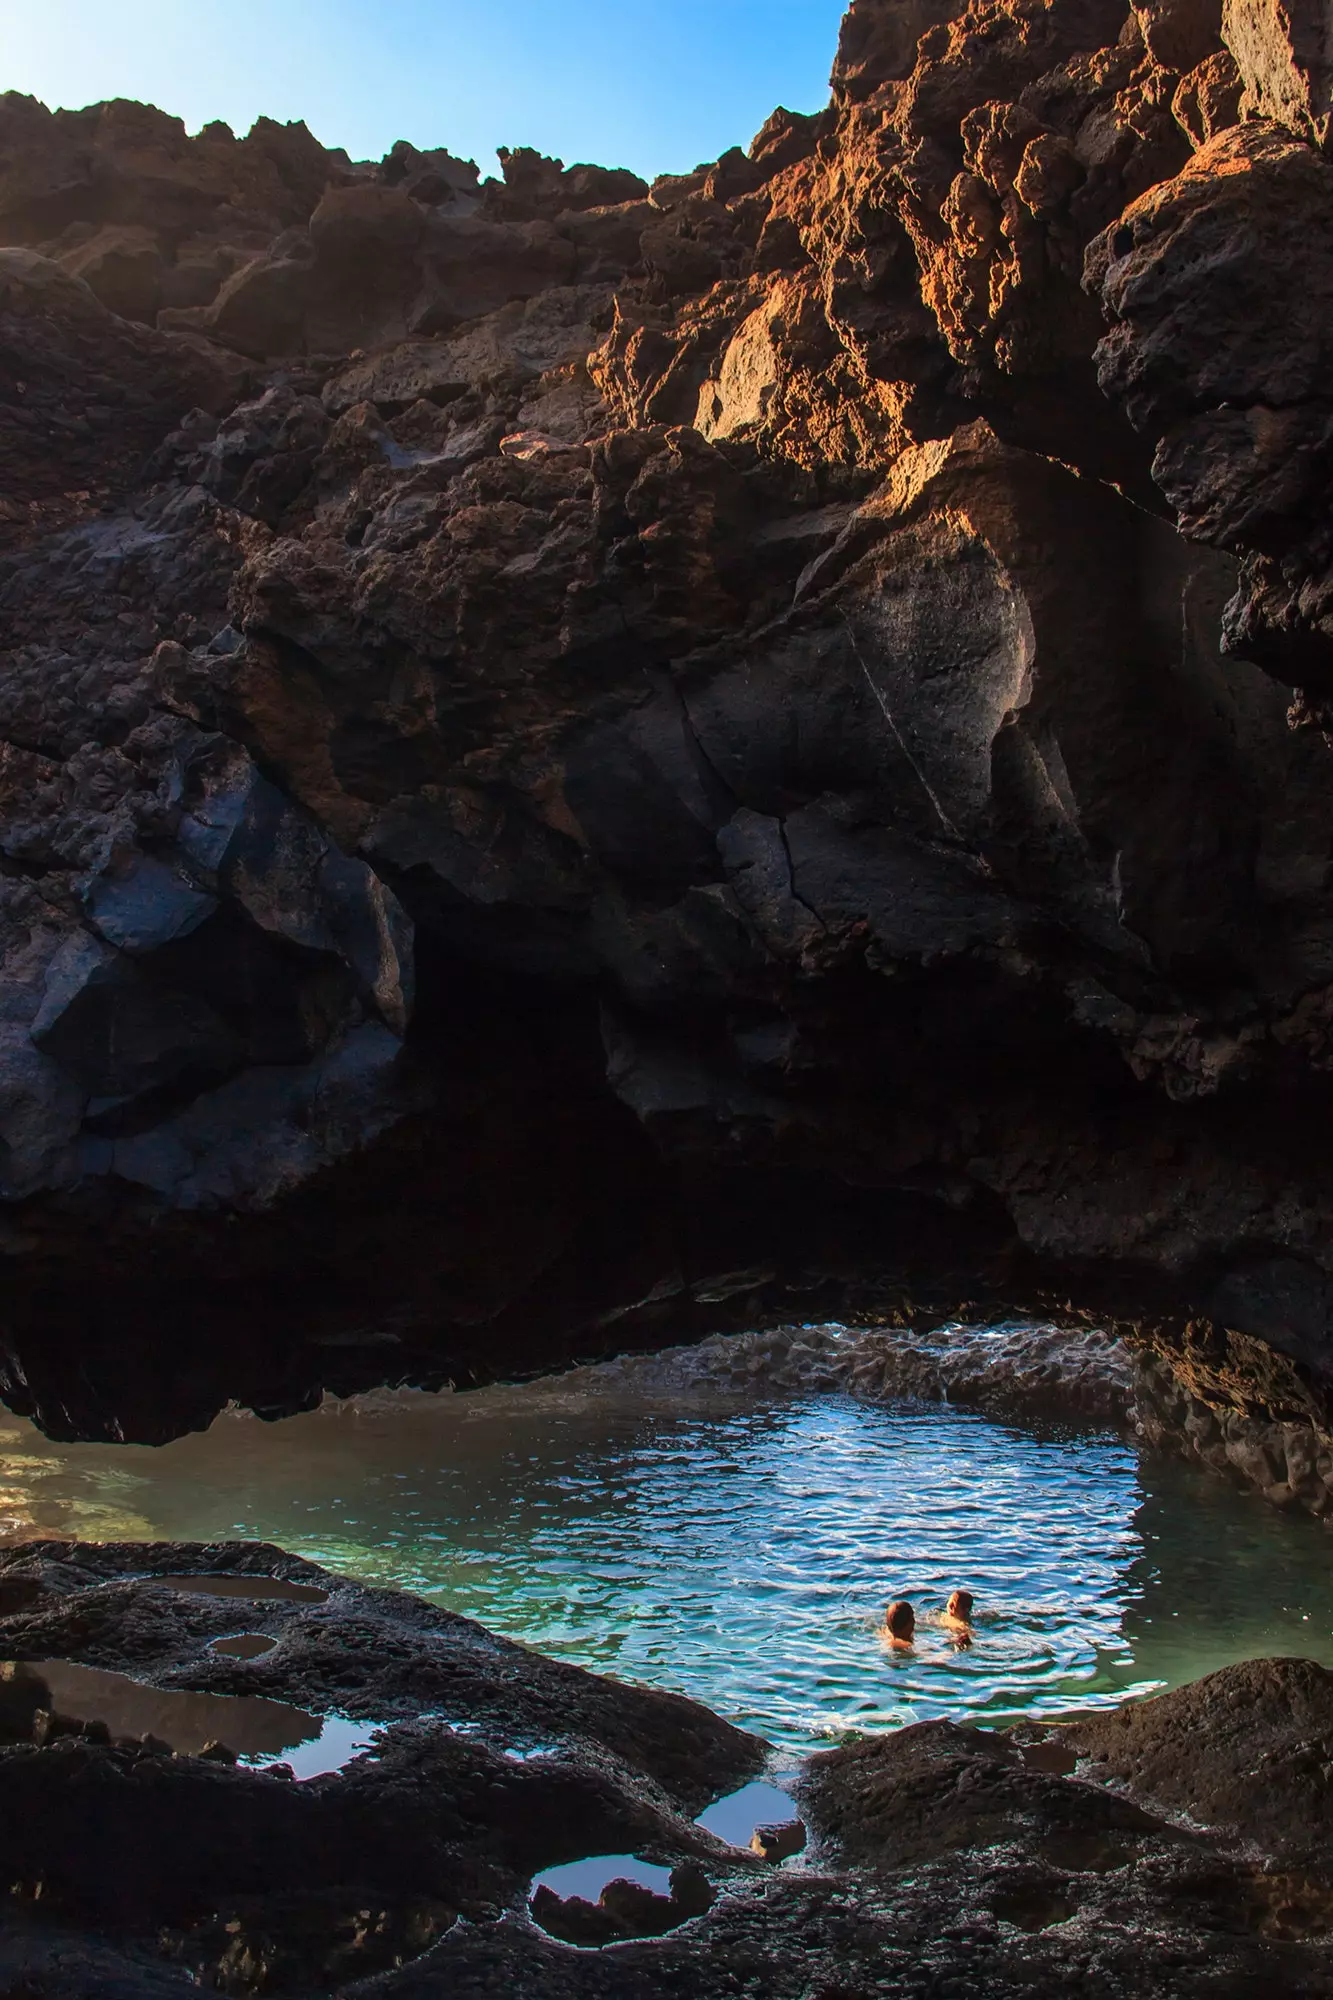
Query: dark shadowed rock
[[1216, 352], [934, 1788], [946, 1860], [1246, 1749], [561, 740]]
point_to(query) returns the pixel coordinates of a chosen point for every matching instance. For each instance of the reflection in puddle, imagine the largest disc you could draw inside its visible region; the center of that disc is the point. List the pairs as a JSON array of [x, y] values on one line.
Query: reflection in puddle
[[612, 1897], [340, 1739], [779, 1842], [244, 1646], [245, 1586], [588, 1878], [261, 1732], [739, 1816]]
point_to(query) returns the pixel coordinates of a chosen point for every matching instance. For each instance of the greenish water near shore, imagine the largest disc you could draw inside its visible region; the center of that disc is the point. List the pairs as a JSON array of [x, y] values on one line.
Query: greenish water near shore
[[740, 1553]]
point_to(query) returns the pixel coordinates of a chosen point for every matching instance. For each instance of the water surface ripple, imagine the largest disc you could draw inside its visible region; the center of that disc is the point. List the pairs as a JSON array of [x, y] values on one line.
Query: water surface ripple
[[742, 1555]]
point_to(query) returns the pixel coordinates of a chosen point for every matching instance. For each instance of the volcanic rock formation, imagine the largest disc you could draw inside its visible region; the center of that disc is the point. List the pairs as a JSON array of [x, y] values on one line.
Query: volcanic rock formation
[[583, 761], [1044, 1860]]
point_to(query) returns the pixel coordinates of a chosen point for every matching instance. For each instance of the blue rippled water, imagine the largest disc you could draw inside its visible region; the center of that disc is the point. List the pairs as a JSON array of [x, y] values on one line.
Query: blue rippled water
[[742, 1555]]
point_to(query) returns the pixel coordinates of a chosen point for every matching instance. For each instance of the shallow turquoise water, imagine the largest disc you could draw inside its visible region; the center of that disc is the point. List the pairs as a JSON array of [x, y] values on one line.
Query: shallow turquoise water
[[741, 1554]]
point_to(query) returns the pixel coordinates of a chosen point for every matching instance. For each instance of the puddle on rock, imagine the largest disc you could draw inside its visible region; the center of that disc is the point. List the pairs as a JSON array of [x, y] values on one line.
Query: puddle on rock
[[587, 1879], [1054, 1758], [610, 1898], [340, 1739], [243, 1645], [245, 1586], [261, 1732], [756, 1808]]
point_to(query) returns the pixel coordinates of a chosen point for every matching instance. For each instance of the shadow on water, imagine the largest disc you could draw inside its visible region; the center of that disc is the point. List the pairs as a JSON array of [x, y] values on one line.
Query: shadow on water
[[1221, 1575], [741, 1554]]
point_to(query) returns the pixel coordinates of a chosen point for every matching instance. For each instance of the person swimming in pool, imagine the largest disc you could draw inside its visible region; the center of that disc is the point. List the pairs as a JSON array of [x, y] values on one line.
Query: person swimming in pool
[[899, 1627], [956, 1619], [958, 1612]]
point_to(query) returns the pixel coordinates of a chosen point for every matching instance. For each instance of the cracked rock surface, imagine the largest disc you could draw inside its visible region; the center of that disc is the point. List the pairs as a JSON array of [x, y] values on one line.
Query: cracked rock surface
[[585, 762]]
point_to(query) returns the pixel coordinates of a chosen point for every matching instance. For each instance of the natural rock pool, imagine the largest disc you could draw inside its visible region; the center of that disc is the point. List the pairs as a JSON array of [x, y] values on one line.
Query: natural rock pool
[[740, 1549]]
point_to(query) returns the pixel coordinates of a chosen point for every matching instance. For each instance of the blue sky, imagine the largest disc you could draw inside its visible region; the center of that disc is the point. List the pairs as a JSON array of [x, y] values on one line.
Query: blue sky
[[658, 85]]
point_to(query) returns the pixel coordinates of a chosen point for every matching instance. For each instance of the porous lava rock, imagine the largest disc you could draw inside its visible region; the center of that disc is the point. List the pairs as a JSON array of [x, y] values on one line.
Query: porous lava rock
[[583, 762], [1247, 1749], [1019, 1373], [1052, 1859]]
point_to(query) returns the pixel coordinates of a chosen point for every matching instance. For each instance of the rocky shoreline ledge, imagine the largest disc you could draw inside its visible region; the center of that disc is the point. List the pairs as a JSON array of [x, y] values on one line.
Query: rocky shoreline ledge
[[1078, 1375], [1204, 1405], [1178, 1846]]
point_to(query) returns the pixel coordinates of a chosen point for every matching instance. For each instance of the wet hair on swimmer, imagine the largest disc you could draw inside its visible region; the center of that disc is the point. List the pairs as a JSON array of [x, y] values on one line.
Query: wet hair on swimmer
[[900, 1619], [960, 1604]]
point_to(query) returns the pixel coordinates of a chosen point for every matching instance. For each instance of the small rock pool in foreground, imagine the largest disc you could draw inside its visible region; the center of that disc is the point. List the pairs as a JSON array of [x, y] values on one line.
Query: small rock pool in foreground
[[740, 1550]]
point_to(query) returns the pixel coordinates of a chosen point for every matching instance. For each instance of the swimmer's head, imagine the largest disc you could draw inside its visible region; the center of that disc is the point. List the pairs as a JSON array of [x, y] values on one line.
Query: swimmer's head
[[959, 1605], [900, 1619]]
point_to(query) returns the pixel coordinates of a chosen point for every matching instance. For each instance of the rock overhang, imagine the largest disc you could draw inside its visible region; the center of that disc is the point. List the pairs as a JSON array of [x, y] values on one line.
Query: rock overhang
[[734, 648]]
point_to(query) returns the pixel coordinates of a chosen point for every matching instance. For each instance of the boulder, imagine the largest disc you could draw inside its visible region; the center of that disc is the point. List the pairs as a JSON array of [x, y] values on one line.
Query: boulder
[[41, 1110], [260, 309], [1178, 34], [1208, 100], [373, 268], [1245, 1748], [1216, 351], [878, 44], [141, 903], [472, 267]]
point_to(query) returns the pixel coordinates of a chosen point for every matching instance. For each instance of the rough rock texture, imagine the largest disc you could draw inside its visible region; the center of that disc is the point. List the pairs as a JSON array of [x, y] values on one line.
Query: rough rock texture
[[1237, 1406], [945, 1861], [1246, 1749], [582, 762], [1075, 1374], [493, 1764]]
